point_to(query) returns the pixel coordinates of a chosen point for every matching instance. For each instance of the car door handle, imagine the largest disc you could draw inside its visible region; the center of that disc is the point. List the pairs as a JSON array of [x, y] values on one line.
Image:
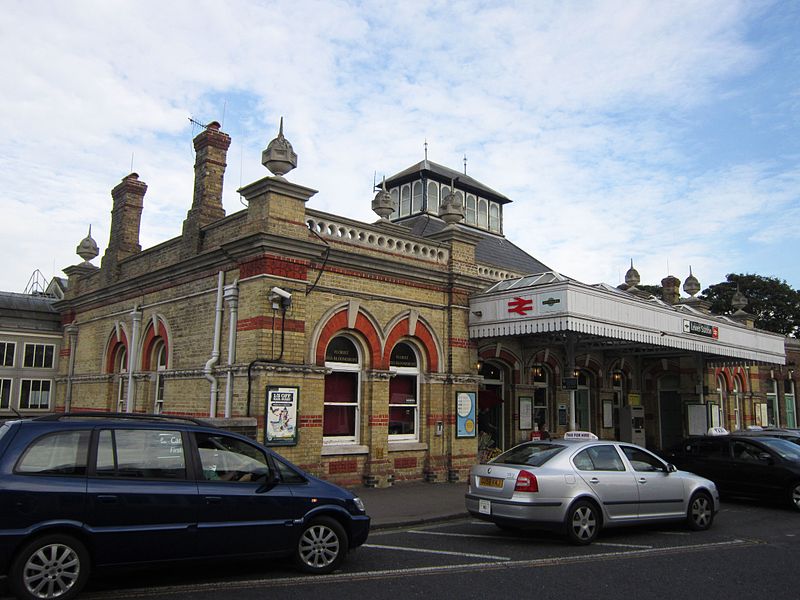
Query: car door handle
[[594, 480], [642, 479], [107, 499], [213, 499]]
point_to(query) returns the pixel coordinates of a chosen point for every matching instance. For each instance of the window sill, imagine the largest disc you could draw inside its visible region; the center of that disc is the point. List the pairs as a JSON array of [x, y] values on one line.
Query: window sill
[[332, 449], [406, 446]]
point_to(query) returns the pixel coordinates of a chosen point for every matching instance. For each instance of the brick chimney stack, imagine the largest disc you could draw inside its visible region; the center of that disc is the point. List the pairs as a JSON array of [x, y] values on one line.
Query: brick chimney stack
[[126, 218], [211, 149], [671, 289]]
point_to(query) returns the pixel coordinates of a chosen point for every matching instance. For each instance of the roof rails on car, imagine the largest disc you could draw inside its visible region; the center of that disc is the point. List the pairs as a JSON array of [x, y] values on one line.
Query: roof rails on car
[[116, 415]]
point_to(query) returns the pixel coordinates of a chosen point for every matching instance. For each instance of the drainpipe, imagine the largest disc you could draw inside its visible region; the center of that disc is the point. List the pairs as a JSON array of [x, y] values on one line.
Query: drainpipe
[[72, 334], [136, 315], [232, 298], [207, 370]]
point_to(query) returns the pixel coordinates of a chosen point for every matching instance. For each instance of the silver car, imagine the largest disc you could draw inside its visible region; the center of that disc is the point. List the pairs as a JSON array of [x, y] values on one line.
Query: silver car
[[583, 485]]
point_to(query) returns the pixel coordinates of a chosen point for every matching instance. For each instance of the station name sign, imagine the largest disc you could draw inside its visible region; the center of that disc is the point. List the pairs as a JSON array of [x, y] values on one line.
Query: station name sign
[[703, 329]]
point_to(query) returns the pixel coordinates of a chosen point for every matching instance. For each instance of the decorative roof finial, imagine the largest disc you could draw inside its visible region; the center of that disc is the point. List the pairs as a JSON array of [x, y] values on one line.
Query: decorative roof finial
[[382, 204], [87, 249], [451, 210], [632, 278], [739, 300], [279, 157], [691, 286]]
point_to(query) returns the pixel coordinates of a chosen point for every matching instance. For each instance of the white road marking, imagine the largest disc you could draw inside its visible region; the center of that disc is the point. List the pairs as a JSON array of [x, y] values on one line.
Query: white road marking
[[462, 535], [424, 551], [621, 545], [414, 571]]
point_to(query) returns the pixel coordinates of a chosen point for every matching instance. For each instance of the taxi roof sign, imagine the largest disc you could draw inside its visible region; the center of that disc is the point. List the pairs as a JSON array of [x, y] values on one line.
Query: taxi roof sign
[[717, 431], [580, 435]]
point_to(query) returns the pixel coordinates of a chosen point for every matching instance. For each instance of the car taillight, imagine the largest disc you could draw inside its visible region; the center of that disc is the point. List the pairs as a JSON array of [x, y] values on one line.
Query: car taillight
[[526, 482]]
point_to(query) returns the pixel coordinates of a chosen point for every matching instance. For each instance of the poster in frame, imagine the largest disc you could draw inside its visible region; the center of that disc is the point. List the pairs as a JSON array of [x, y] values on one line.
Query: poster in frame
[[465, 415], [280, 420]]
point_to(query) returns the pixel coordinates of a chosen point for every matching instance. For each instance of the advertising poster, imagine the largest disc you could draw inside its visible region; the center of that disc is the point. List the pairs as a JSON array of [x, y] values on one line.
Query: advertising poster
[[525, 412], [465, 415], [281, 417]]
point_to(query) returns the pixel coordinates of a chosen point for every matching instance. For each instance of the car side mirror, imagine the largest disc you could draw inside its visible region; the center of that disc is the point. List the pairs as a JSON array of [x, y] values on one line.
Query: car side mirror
[[671, 468]]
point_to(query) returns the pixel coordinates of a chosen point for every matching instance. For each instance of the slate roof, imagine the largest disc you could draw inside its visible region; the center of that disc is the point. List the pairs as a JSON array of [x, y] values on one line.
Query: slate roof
[[445, 175], [26, 312], [492, 249]]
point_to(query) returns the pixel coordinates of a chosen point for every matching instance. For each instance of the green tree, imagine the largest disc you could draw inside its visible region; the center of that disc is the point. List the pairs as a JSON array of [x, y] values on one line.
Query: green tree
[[772, 301]]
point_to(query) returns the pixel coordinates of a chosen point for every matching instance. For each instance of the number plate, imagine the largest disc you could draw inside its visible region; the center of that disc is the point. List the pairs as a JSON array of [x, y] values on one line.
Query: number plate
[[492, 482], [485, 507]]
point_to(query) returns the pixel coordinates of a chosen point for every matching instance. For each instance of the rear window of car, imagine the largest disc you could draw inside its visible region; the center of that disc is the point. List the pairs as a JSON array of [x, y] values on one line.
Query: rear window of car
[[62, 453], [533, 455]]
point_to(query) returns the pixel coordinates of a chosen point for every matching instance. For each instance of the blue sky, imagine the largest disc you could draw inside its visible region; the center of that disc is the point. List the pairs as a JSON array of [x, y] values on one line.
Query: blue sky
[[663, 132]]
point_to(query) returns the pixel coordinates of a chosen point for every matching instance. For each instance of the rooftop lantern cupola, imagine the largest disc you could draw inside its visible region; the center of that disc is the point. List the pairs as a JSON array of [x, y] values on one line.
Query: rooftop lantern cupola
[[451, 209], [279, 157], [382, 204]]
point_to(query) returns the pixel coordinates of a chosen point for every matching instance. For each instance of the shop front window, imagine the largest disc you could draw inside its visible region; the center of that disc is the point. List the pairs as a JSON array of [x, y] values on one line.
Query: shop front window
[[342, 392]]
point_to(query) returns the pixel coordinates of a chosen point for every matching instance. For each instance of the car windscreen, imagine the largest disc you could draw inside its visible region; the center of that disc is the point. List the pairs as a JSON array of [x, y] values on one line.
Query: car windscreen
[[785, 448], [533, 455]]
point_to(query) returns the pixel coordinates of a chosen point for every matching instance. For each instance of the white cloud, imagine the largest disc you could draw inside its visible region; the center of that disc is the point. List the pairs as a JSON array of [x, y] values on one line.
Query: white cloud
[[582, 113]]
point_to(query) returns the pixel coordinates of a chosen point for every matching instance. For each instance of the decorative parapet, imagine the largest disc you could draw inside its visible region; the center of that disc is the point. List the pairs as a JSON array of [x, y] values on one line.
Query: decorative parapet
[[351, 233], [494, 273]]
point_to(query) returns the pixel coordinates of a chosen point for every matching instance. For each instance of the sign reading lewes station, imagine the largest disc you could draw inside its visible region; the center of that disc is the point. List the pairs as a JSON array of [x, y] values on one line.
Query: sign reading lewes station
[[700, 329]]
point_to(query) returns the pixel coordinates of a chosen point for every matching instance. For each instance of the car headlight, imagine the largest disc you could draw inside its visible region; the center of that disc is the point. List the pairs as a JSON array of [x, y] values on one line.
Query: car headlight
[[359, 504]]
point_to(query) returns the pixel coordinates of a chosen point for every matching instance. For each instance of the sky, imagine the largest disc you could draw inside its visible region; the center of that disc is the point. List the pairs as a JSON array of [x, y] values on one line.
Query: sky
[[666, 133]]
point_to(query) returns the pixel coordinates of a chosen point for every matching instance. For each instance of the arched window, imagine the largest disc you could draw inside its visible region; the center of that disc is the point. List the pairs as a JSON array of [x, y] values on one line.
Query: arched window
[[120, 373], [416, 198], [724, 409], [483, 213], [433, 197], [160, 363], [395, 195], [445, 192], [494, 217], [404, 393], [470, 209], [737, 403], [460, 197], [341, 413], [405, 201]]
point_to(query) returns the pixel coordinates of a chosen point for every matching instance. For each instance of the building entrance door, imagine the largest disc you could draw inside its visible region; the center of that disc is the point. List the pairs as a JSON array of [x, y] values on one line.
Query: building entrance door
[[671, 418]]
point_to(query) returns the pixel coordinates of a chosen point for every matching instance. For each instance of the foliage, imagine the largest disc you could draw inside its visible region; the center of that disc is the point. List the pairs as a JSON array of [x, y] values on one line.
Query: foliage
[[772, 301]]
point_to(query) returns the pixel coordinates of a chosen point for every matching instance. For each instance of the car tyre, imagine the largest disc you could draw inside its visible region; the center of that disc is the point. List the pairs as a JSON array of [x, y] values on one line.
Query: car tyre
[[700, 514], [794, 495], [322, 546], [54, 567], [583, 522]]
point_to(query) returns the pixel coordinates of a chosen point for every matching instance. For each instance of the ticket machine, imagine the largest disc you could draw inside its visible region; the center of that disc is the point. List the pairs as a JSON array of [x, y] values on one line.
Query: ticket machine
[[631, 424]]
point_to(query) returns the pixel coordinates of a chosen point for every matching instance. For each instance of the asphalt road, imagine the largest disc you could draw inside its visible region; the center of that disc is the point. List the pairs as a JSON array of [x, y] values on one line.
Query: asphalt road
[[751, 552]]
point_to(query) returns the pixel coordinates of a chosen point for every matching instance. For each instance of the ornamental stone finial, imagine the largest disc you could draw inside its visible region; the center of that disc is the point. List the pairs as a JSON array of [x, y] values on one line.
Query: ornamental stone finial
[[279, 157]]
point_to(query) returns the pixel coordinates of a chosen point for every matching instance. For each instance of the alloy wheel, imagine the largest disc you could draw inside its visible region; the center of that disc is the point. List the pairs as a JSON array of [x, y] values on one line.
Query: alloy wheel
[[701, 512], [584, 523], [319, 546], [51, 571]]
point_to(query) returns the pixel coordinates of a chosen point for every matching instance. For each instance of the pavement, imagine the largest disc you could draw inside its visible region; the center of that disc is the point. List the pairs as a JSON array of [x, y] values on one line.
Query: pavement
[[413, 503]]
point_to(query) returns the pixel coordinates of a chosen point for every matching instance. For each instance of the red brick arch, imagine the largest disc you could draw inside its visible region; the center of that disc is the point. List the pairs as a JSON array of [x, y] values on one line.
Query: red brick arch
[[338, 323], [422, 334], [113, 347], [511, 360], [149, 342]]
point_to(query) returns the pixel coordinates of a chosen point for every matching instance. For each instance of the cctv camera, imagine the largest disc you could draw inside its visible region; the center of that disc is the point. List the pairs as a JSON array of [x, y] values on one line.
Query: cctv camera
[[276, 291]]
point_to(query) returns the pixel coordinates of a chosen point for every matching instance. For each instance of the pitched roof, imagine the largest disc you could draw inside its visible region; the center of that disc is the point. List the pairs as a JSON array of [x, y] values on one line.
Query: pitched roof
[[492, 249], [28, 312]]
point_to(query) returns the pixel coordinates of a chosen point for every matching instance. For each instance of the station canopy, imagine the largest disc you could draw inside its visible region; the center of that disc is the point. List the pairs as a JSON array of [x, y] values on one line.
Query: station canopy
[[604, 317]]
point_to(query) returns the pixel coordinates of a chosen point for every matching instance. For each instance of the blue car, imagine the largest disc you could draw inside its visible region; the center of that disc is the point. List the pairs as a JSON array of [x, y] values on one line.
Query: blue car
[[91, 490]]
